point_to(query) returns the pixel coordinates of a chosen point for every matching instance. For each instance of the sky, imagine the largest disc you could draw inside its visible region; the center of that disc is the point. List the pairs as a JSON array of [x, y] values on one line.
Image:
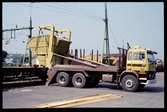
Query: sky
[[138, 23]]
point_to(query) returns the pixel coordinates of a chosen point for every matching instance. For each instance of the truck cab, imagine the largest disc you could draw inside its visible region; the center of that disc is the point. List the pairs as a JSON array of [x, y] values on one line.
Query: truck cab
[[141, 62]]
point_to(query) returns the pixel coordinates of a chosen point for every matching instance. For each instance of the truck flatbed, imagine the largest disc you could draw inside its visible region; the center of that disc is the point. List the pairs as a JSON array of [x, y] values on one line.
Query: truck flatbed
[[86, 68]]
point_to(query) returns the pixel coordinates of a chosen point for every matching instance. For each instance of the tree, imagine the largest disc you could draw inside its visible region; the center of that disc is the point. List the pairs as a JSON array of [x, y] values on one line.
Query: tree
[[4, 54]]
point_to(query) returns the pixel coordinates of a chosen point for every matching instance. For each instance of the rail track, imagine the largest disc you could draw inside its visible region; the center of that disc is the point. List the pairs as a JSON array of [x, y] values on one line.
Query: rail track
[[22, 83], [78, 101]]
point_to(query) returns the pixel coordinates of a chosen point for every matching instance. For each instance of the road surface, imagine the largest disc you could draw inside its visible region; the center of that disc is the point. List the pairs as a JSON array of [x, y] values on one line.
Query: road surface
[[152, 96]]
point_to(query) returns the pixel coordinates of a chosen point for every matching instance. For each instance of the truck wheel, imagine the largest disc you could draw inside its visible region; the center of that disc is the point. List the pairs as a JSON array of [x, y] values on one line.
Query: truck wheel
[[79, 80], [63, 79], [129, 83]]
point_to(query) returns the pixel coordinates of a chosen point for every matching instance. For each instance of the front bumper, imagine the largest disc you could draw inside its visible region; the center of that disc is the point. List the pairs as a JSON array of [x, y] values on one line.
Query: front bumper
[[152, 81]]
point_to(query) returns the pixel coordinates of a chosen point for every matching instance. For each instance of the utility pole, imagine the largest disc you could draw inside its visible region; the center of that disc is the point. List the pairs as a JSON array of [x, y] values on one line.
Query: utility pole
[[106, 38], [30, 28], [30, 54]]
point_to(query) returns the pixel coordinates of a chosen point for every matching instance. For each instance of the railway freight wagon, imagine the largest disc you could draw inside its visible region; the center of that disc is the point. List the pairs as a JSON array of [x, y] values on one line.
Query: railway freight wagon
[[24, 73]]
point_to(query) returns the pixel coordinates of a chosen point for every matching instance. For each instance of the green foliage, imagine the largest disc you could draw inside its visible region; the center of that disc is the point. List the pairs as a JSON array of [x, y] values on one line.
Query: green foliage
[[4, 54]]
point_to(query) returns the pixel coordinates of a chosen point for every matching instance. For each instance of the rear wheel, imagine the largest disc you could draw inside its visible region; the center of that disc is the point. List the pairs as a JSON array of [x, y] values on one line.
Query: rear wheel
[[129, 83], [63, 79], [79, 80]]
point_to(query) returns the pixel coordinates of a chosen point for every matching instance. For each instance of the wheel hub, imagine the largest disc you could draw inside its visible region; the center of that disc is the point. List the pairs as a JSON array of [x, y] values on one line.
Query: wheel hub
[[62, 79], [78, 80], [129, 83]]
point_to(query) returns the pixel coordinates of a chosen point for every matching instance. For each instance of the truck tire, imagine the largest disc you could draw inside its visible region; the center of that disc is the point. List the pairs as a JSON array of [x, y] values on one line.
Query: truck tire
[[129, 83], [79, 80], [63, 79]]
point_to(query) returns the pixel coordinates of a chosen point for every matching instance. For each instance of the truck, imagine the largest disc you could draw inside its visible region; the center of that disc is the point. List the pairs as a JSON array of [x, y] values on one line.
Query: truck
[[134, 69]]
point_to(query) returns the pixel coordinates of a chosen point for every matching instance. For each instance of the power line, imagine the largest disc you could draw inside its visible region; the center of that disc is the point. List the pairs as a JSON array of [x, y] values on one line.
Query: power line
[[58, 11], [21, 33], [5, 35], [73, 11], [16, 29], [112, 33], [84, 11], [54, 11]]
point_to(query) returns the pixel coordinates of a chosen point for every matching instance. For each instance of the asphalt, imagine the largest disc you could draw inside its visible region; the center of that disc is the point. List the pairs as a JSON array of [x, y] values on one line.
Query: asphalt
[[24, 96]]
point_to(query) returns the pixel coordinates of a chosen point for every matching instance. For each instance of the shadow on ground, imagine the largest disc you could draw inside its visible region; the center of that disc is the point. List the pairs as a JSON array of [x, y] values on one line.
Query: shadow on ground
[[145, 89], [8, 86], [152, 89]]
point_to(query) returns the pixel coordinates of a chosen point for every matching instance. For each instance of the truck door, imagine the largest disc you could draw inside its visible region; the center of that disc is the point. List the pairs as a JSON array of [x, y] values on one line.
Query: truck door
[[138, 62], [129, 61]]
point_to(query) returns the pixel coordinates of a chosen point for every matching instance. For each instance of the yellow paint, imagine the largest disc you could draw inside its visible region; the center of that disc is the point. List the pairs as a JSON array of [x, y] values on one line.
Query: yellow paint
[[43, 46]]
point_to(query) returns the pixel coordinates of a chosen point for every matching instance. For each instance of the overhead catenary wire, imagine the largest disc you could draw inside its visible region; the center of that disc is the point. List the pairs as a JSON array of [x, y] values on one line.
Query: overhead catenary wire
[[4, 35], [18, 34], [55, 11], [112, 33], [61, 7], [21, 33], [85, 13], [15, 37], [81, 10], [59, 11]]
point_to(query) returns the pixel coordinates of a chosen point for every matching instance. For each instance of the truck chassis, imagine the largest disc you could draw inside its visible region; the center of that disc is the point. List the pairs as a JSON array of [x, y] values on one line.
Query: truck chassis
[[85, 74]]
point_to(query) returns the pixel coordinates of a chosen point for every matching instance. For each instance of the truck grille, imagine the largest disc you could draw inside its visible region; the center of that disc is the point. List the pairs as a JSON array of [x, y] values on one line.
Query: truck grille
[[151, 75]]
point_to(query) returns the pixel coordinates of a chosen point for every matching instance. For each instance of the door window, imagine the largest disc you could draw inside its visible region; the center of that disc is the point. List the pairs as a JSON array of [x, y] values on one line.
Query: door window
[[130, 56], [138, 56]]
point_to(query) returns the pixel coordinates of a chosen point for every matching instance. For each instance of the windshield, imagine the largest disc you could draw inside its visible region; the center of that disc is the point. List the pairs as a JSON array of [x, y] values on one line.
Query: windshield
[[150, 56]]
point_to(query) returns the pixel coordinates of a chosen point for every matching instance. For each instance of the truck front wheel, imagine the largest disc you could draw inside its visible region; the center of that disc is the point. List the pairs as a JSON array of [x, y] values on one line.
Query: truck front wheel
[[79, 80], [129, 83], [63, 79]]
